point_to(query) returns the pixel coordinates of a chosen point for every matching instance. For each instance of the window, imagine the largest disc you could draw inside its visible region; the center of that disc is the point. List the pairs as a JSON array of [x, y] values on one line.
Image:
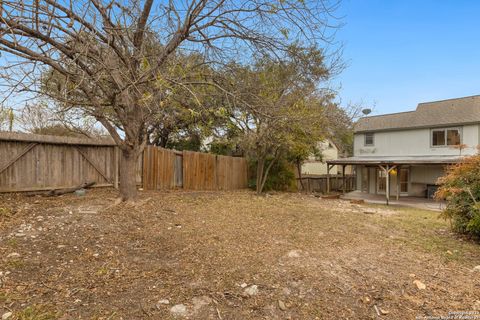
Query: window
[[438, 138], [446, 137], [369, 141], [453, 137]]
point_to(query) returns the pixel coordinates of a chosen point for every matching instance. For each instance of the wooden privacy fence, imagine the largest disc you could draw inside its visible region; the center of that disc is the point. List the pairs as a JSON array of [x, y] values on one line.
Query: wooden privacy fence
[[30, 162], [319, 183], [166, 169]]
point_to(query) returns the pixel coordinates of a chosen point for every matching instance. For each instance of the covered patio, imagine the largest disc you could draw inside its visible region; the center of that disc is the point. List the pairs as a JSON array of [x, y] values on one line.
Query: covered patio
[[388, 166]]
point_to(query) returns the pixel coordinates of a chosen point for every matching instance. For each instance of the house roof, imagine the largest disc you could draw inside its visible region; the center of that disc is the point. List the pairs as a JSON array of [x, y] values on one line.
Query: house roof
[[428, 114], [398, 160]]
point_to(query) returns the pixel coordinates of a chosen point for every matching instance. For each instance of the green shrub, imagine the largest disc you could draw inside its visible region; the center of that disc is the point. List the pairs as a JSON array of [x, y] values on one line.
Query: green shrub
[[280, 178], [461, 188]]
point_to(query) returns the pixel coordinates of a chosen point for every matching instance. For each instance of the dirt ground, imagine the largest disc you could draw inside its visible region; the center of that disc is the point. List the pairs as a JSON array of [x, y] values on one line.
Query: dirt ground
[[219, 255]]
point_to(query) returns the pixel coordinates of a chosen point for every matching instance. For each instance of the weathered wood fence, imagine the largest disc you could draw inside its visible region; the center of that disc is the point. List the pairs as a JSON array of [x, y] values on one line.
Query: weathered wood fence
[[319, 183], [166, 169], [30, 162]]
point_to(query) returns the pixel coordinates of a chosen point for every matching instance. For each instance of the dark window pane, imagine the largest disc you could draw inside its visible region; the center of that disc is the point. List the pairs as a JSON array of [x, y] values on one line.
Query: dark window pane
[[369, 139], [438, 138], [453, 137]]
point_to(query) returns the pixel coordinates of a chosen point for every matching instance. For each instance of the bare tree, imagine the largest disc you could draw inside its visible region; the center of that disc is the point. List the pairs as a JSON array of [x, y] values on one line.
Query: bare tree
[[43, 117], [109, 57]]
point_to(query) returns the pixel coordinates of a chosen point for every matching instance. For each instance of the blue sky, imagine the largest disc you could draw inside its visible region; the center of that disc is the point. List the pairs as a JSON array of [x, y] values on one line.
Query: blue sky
[[400, 53]]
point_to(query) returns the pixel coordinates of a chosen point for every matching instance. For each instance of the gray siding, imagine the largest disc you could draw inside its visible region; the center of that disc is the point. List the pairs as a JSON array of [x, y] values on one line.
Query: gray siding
[[415, 142]]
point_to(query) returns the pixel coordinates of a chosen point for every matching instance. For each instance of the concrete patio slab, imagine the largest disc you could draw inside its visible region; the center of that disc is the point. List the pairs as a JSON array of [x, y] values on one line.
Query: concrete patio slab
[[413, 202]]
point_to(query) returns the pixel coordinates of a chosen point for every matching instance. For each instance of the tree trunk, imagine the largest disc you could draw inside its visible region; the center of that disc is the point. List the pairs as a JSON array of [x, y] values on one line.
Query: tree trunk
[[260, 166], [299, 170], [265, 175], [128, 174]]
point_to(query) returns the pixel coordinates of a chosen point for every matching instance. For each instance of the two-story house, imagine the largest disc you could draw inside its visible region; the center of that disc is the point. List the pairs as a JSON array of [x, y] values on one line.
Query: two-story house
[[403, 154]]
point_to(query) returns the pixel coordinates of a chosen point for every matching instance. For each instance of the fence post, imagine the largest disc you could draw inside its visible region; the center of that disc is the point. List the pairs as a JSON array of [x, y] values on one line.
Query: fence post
[[328, 178], [216, 173]]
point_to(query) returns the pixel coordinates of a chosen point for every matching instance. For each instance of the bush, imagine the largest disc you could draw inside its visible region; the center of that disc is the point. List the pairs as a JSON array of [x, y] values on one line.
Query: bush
[[461, 188], [280, 178]]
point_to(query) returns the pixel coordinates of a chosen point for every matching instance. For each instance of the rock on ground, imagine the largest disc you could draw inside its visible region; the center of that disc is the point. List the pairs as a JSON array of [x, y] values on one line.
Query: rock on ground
[[162, 302], [420, 285], [200, 302], [294, 254], [179, 310], [252, 290], [6, 315]]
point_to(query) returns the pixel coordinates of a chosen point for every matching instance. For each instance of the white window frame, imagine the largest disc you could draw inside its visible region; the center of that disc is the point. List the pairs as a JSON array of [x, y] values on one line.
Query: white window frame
[[365, 139], [446, 145]]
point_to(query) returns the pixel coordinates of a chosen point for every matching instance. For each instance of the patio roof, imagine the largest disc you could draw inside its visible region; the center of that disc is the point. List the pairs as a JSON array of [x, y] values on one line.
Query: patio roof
[[394, 160]]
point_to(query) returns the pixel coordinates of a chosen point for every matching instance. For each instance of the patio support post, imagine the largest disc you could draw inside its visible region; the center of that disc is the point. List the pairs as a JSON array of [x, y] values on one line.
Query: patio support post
[[328, 178], [387, 187], [387, 170], [398, 182], [343, 178]]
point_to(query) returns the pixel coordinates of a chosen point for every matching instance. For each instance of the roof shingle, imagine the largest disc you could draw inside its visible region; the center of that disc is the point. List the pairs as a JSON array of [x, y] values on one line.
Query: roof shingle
[[428, 114]]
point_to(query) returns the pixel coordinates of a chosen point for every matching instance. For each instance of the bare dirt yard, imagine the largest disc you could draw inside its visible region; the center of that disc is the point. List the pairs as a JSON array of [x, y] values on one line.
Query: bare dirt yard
[[228, 255]]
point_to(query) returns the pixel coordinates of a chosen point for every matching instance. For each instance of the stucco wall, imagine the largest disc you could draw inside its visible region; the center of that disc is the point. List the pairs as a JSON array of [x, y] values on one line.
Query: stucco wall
[[414, 142]]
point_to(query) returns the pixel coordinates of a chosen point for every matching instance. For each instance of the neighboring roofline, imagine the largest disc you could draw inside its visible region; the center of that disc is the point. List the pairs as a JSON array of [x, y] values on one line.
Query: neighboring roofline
[[385, 114], [443, 100], [440, 125], [332, 142]]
